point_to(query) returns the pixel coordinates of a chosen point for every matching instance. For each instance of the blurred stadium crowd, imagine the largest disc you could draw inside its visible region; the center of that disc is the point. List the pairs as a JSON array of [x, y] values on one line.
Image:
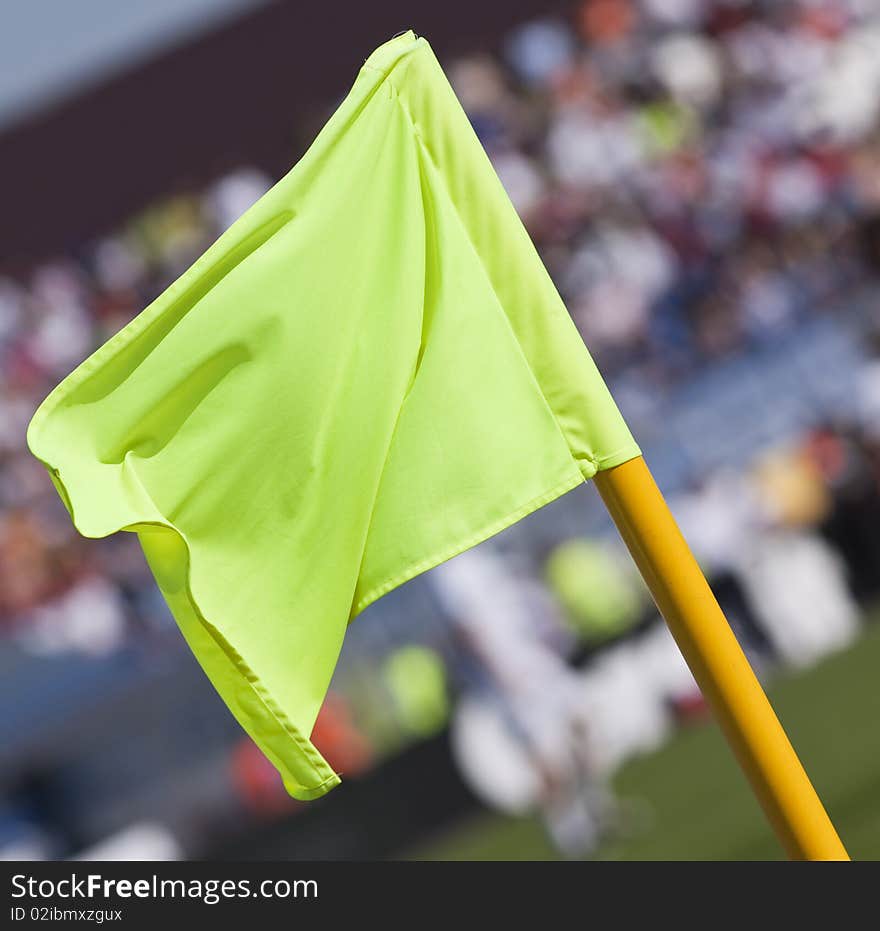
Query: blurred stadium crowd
[[702, 179]]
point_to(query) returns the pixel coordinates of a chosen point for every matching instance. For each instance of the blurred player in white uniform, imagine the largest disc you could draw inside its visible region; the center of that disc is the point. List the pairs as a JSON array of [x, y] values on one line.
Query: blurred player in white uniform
[[523, 733]]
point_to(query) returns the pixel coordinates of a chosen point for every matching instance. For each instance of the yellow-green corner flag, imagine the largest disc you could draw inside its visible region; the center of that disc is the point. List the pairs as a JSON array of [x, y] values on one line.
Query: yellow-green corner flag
[[368, 373]]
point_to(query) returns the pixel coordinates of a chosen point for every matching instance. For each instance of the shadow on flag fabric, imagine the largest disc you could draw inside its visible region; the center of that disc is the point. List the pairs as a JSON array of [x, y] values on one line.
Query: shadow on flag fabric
[[367, 374]]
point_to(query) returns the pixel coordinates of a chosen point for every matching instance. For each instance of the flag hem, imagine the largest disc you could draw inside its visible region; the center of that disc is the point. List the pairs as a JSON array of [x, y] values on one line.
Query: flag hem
[[611, 460], [305, 757], [487, 531]]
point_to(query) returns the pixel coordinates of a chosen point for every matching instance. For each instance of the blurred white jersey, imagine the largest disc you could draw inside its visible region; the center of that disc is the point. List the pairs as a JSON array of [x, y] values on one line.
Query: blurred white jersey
[[496, 609], [798, 585]]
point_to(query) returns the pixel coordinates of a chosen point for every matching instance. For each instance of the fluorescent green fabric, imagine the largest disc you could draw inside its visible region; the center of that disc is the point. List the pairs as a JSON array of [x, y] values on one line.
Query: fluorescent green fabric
[[367, 374]]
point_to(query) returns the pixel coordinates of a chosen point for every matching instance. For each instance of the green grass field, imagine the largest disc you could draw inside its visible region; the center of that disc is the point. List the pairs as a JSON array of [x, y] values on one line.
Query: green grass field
[[697, 805]]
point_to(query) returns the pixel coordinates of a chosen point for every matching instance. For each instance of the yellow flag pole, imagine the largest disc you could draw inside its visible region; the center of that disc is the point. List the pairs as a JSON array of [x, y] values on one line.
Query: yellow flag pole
[[721, 669]]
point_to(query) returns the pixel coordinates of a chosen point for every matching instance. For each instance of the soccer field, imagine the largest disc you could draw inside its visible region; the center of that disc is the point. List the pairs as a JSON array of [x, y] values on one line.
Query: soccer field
[[691, 801]]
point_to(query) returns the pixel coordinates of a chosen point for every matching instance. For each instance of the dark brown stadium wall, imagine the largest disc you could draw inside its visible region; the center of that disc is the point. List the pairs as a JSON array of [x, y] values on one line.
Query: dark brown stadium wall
[[245, 93]]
